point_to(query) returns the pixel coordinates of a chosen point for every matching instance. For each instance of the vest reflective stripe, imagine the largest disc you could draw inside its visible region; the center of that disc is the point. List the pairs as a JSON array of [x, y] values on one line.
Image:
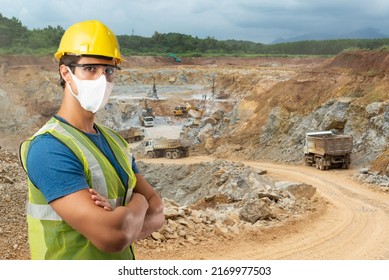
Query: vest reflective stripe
[[124, 146], [42, 212], [52, 238]]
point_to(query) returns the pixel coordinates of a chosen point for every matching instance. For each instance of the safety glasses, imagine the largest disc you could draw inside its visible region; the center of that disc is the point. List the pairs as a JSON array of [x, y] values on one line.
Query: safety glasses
[[91, 70]]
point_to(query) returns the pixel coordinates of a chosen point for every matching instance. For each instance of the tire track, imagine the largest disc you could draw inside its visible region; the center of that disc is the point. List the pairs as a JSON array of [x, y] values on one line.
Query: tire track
[[355, 225]]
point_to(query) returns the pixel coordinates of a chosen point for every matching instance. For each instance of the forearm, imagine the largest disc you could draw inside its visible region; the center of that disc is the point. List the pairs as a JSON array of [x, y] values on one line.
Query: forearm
[[125, 226], [133, 222], [154, 218]]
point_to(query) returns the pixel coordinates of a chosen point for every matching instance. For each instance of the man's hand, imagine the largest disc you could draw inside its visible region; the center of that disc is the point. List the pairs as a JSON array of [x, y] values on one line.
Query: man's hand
[[100, 200]]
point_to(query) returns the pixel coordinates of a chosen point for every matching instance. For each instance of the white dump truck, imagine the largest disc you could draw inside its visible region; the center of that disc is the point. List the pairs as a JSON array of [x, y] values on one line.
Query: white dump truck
[[326, 150], [147, 116], [169, 148], [147, 121]]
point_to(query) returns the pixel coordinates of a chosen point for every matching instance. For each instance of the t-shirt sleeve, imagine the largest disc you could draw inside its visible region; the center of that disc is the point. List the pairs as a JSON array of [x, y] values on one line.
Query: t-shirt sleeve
[[53, 168]]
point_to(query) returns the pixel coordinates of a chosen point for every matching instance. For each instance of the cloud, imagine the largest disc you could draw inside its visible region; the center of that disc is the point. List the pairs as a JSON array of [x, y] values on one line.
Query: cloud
[[259, 21]]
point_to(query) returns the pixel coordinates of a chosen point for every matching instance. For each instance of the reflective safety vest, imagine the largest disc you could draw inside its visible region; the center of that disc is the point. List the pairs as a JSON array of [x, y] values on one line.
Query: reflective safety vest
[[49, 236]]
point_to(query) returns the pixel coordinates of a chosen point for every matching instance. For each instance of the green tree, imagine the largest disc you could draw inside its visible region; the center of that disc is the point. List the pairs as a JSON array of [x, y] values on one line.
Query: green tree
[[12, 32], [47, 37], [16, 39]]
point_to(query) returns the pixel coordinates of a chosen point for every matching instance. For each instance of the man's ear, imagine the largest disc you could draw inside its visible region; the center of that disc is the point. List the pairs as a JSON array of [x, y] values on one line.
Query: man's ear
[[64, 71]]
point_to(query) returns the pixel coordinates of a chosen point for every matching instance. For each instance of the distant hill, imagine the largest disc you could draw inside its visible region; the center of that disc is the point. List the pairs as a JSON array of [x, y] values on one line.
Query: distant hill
[[367, 33]]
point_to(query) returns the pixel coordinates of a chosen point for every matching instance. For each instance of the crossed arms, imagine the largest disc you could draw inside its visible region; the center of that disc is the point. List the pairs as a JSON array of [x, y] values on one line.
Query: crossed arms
[[112, 230]]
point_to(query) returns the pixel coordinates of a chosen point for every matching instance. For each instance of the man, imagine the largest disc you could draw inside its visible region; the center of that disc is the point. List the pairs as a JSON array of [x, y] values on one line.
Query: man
[[87, 199]]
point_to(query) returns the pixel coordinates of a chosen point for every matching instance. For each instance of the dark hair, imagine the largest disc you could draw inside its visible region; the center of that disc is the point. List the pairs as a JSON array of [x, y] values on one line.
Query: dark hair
[[67, 60]]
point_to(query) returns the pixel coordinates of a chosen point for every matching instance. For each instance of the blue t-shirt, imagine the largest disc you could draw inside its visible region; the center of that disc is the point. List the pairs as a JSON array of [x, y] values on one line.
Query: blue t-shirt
[[56, 171]]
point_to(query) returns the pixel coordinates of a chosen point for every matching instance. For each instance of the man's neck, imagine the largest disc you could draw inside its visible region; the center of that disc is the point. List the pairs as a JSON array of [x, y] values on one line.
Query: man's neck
[[84, 123]]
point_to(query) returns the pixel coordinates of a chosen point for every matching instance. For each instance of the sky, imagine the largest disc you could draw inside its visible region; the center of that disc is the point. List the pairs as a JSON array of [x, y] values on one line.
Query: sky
[[260, 21]]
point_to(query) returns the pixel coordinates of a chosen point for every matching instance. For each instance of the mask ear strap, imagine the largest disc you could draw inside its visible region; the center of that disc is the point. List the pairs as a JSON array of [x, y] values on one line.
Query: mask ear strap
[[74, 79], [70, 73], [71, 91]]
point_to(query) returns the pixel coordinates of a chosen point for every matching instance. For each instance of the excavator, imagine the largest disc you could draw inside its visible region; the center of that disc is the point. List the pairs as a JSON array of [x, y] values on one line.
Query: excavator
[[180, 111], [188, 109], [172, 55]]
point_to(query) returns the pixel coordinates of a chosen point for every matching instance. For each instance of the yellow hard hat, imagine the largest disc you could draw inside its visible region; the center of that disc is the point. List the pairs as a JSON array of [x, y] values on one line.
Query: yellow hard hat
[[89, 38]]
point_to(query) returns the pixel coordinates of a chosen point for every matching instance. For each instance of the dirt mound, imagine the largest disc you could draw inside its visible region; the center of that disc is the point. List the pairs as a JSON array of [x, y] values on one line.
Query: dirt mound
[[37, 62], [369, 62], [360, 61], [155, 61], [353, 74]]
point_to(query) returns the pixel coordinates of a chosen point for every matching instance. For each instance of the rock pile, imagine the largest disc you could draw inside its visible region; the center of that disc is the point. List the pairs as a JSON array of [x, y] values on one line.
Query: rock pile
[[219, 200], [373, 178]]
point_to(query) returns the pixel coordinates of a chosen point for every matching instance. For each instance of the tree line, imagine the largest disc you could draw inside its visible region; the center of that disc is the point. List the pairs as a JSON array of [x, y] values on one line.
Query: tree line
[[18, 39]]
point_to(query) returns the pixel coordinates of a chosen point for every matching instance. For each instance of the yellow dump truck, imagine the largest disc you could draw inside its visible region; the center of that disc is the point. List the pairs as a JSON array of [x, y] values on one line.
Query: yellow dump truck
[[326, 150], [169, 148], [132, 134]]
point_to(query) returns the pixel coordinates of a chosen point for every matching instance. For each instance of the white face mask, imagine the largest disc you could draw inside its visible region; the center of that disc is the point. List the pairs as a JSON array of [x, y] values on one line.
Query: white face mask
[[92, 94]]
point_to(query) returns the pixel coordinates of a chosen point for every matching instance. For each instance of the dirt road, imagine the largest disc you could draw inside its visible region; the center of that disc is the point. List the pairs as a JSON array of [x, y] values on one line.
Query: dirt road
[[353, 226]]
